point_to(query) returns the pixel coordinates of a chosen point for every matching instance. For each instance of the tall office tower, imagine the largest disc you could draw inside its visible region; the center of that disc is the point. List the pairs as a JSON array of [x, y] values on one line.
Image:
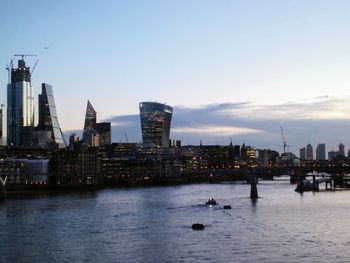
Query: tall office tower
[[48, 121], [309, 152], [341, 149], [20, 106], [95, 134], [321, 152], [302, 153], [104, 130], [89, 133], [155, 123]]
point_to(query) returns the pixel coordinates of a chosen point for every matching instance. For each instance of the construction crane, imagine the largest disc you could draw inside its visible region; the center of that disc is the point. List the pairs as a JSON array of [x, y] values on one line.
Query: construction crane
[[284, 141], [25, 55], [8, 68], [126, 137], [36, 63]]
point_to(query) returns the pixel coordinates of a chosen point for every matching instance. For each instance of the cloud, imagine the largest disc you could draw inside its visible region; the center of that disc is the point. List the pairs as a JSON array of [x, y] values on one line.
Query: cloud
[[217, 130]]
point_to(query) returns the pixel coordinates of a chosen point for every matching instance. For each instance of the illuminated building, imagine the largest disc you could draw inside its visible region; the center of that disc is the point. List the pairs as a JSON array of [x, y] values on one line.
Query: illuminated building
[[48, 132], [155, 123], [95, 134], [20, 106]]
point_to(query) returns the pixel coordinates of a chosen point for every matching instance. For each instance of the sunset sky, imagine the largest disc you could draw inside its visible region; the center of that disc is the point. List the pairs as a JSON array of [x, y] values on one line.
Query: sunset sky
[[231, 69]]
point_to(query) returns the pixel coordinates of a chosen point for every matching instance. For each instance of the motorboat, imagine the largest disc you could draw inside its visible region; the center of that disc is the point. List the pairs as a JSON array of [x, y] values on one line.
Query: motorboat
[[197, 226], [211, 201]]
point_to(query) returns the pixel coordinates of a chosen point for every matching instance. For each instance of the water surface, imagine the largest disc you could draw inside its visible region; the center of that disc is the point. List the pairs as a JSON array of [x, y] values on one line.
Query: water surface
[[154, 225]]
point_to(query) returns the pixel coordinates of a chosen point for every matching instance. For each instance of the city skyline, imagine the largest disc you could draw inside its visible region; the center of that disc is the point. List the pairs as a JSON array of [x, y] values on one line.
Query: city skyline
[[273, 64]]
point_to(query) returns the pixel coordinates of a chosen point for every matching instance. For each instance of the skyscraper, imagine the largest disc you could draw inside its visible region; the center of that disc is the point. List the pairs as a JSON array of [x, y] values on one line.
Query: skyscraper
[[95, 134], [155, 123], [302, 153], [89, 133], [20, 106], [48, 121], [321, 152], [341, 149], [104, 130], [309, 152]]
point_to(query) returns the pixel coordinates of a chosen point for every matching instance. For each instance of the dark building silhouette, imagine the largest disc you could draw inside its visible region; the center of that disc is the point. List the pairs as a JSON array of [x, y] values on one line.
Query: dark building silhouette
[[321, 152], [104, 131], [302, 153], [155, 123], [309, 152]]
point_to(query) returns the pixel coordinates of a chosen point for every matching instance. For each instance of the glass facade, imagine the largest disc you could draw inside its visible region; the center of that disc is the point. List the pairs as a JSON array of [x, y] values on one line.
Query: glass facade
[[89, 132], [95, 134], [155, 123], [48, 120], [104, 130], [20, 106]]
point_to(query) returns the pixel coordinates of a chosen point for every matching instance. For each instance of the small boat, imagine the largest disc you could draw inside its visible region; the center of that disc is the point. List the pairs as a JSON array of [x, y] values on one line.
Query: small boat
[[227, 207], [211, 201], [197, 226]]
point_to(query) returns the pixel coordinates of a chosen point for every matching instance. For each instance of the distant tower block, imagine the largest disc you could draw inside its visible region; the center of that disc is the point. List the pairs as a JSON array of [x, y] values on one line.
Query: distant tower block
[[155, 123]]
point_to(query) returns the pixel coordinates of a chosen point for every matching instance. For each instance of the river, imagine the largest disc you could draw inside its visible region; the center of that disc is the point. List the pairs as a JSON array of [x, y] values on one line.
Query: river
[[153, 224]]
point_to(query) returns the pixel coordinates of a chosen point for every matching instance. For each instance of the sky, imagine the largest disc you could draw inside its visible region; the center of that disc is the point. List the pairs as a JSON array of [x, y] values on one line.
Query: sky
[[231, 69]]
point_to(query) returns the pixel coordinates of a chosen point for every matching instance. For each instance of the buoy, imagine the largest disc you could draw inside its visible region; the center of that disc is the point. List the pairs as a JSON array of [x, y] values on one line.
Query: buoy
[[227, 207], [197, 226]]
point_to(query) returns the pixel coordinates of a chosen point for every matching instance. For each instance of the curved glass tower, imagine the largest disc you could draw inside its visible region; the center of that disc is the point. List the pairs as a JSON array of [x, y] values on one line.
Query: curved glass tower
[[48, 120], [155, 123]]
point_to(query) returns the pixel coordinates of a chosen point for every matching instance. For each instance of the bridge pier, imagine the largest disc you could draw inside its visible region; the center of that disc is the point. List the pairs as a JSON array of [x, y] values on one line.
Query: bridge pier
[[253, 187], [3, 188]]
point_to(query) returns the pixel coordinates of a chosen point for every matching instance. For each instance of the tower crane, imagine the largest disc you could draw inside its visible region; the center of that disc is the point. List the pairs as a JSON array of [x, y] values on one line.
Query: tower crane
[[284, 141], [36, 63], [8, 68], [25, 55]]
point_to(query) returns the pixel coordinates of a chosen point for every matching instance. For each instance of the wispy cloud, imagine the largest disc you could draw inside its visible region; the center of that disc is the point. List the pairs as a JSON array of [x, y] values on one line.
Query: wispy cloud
[[212, 129]]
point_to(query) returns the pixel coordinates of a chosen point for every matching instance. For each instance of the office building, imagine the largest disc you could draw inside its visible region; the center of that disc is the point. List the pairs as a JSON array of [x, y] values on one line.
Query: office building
[[332, 155], [309, 152], [321, 152], [341, 150], [20, 106], [48, 133], [104, 131], [302, 153], [155, 123], [95, 134]]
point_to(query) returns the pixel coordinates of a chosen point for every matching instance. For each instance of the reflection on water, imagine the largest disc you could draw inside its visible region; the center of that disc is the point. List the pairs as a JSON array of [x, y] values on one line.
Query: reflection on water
[[154, 225]]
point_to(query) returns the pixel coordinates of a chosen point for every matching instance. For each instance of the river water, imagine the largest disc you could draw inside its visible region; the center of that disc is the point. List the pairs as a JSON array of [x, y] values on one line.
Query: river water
[[153, 224]]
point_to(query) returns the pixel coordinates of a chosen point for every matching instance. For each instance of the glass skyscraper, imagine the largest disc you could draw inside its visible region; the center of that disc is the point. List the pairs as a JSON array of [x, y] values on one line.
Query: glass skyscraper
[[20, 106], [155, 123], [95, 134], [48, 116]]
